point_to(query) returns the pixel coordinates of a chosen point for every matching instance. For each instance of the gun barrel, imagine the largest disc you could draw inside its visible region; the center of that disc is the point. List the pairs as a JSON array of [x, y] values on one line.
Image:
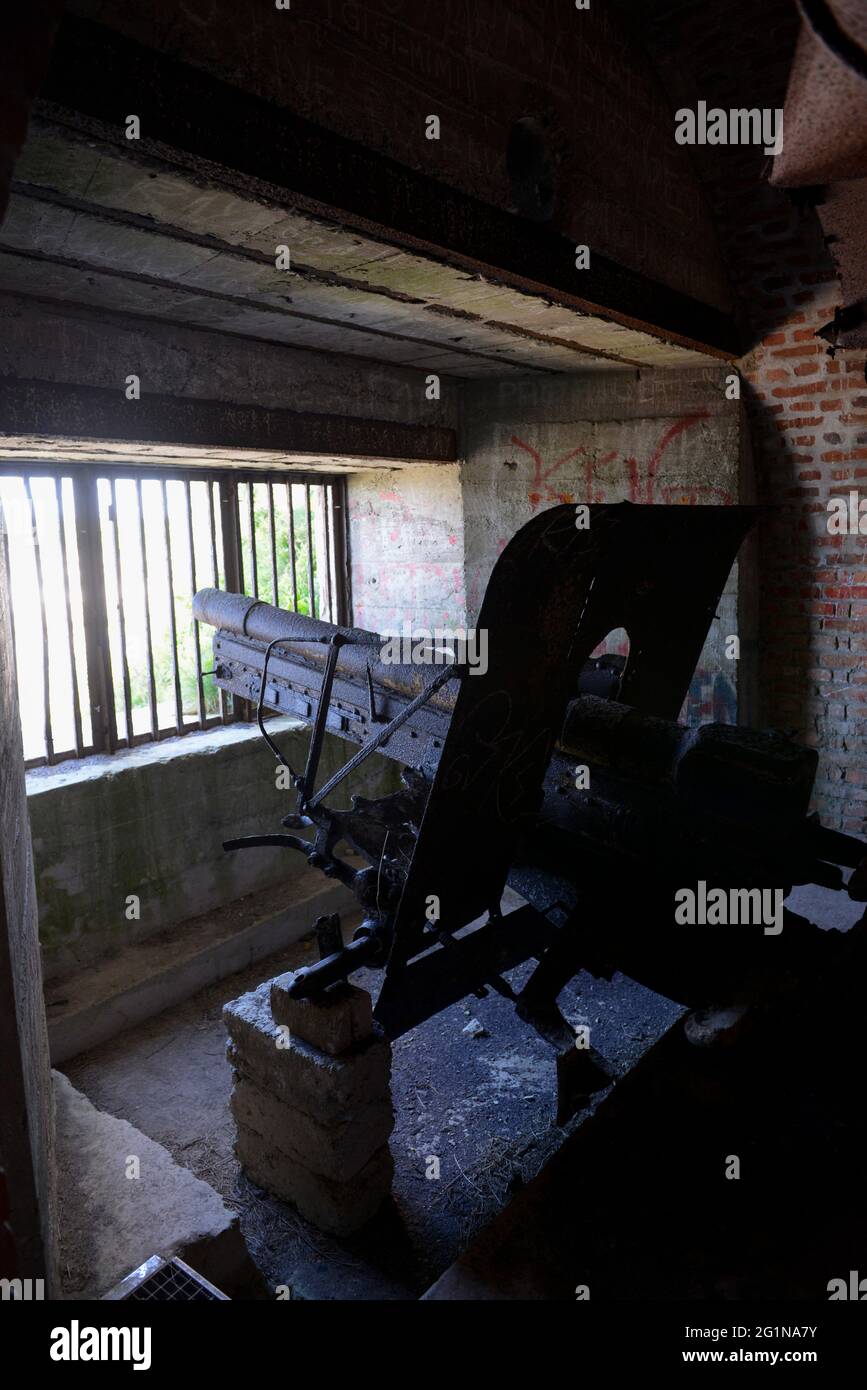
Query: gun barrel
[[306, 638], [653, 783]]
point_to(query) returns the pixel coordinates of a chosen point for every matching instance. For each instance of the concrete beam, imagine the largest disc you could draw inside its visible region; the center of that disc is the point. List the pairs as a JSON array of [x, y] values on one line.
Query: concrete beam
[[54, 410], [219, 129]]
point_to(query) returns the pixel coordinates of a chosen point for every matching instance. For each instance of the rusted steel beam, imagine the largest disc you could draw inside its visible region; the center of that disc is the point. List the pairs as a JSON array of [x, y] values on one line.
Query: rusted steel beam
[[193, 118], [92, 412]]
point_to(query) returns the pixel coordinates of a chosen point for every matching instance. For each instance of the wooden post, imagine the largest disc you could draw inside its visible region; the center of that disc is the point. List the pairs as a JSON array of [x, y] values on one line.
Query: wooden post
[[26, 1102]]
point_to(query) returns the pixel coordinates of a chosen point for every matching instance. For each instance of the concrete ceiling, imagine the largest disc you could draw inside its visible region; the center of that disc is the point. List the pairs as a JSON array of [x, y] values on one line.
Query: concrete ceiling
[[90, 223]]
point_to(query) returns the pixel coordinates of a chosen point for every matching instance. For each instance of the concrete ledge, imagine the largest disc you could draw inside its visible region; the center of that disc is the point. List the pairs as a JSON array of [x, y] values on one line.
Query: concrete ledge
[[144, 979], [111, 1222], [130, 844]]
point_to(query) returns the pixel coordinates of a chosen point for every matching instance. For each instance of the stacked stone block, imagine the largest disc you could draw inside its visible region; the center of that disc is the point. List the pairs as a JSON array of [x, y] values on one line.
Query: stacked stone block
[[312, 1101]]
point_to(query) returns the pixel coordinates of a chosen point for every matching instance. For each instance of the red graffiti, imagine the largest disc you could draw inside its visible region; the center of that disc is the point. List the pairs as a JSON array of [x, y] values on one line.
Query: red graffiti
[[643, 485]]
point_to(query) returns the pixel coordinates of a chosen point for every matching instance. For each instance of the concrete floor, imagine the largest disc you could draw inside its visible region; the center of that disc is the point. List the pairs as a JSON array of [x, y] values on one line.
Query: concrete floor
[[123, 1199], [483, 1105]]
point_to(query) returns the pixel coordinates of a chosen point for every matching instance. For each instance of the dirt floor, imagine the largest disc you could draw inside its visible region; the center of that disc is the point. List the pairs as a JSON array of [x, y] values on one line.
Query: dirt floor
[[483, 1105]]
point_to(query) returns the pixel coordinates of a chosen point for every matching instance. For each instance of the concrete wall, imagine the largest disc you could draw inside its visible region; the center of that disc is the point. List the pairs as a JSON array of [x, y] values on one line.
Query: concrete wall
[[407, 548], [151, 821], [663, 437], [89, 348]]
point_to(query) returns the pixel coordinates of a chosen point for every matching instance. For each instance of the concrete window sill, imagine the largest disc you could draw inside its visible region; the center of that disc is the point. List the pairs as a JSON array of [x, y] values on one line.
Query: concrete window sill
[[203, 741]]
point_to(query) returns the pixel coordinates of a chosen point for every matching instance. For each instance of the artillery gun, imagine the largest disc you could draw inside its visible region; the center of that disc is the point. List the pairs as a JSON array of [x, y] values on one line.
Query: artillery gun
[[565, 777]]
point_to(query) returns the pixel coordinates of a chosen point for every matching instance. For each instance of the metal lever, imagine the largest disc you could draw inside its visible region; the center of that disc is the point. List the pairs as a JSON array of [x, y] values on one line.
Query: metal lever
[[379, 739], [308, 781]]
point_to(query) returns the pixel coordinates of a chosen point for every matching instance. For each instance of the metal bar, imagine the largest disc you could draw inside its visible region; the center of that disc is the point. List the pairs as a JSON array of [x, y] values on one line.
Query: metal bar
[[292, 547], [341, 553], [326, 517], [273, 538], [127, 696], [93, 603], [260, 713], [310, 589], [46, 675], [200, 693], [254, 565], [308, 779], [444, 976], [173, 626], [379, 739], [231, 527], [6, 578], [152, 689], [233, 563], [212, 521], [70, 639]]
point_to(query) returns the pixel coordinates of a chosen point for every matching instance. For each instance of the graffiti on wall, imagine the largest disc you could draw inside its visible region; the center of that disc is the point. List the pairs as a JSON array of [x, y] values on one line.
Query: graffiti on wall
[[642, 479]]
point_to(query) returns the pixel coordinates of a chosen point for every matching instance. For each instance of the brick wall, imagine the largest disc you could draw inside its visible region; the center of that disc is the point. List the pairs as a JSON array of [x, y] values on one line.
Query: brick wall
[[808, 412]]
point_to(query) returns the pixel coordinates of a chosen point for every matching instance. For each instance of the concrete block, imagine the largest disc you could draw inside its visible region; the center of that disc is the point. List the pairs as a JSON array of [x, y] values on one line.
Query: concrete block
[[340, 1208], [110, 1223], [334, 1024], [337, 1151], [295, 1071]]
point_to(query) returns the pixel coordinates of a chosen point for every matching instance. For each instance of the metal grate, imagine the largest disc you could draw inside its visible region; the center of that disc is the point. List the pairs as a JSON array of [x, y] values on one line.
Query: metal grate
[[103, 566], [165, 1281]]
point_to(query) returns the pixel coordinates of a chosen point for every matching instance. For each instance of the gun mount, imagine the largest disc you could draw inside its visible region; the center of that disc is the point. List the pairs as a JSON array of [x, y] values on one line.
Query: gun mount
[[491, 796]]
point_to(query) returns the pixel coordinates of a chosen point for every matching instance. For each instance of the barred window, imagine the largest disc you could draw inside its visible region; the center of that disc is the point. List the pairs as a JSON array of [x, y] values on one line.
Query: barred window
[[103, 564]]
